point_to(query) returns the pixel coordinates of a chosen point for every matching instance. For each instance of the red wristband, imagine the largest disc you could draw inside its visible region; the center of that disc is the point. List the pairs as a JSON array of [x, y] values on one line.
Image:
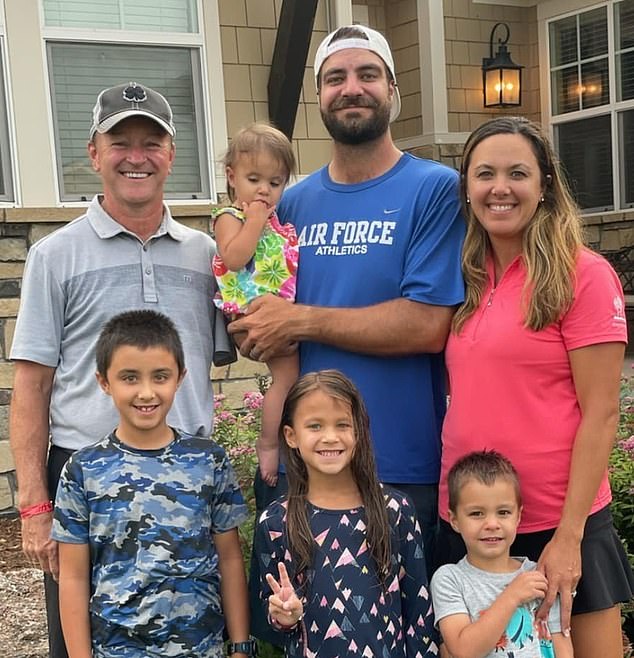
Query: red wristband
[[34, 510]]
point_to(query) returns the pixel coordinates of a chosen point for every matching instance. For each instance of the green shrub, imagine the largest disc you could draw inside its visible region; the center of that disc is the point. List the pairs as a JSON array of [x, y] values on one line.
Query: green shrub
[[621, 471], [236, 430]]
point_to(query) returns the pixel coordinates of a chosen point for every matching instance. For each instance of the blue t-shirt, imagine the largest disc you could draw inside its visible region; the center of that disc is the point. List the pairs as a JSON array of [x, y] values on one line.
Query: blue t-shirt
[[398, 235], [149, 517]]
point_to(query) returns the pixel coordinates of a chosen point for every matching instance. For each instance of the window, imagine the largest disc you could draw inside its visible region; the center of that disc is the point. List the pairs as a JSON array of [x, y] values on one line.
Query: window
[[91, 46], [6, 174], [6, 178], [140, 15], [592, 103]]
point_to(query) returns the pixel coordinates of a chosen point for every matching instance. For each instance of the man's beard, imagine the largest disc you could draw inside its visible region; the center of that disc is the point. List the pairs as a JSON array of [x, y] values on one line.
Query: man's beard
[[357, 130]]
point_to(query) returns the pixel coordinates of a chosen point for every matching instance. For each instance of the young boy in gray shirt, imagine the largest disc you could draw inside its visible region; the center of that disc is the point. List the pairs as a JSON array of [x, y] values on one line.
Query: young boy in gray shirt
[[485, 605]]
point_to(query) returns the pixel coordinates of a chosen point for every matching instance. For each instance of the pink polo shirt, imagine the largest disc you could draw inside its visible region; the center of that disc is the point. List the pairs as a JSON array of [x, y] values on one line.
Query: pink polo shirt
[[512, 388]]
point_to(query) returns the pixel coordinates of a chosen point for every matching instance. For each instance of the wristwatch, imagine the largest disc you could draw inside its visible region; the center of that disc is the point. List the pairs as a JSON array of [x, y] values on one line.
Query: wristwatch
[[249, 647]]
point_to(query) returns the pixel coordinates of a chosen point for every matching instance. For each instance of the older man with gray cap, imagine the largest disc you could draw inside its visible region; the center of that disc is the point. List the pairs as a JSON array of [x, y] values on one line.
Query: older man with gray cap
[[380, 234], [125, 252]]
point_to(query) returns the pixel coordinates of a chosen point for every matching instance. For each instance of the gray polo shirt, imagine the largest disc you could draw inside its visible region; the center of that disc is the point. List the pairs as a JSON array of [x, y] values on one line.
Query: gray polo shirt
[[78, 277]]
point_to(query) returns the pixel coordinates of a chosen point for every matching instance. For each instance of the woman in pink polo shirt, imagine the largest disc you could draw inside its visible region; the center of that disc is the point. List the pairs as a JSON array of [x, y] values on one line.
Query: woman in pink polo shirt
[[534, 362]]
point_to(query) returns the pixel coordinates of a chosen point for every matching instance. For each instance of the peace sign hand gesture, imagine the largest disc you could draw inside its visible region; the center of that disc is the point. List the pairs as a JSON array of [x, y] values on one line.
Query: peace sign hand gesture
[[285, 609]]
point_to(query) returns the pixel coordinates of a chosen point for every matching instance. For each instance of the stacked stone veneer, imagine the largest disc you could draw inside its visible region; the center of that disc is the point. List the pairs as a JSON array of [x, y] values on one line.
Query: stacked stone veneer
[[19, 229]]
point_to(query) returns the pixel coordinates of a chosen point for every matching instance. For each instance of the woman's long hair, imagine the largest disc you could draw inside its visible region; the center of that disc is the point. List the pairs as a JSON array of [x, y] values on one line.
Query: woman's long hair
[[300, 539], [551, 241]]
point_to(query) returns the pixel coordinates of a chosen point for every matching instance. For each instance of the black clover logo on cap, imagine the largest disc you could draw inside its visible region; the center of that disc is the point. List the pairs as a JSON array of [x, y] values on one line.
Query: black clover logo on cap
[[134, 93]]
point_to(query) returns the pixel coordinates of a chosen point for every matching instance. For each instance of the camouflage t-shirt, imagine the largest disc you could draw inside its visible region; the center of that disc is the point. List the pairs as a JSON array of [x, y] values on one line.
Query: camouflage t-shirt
[[149, 517]]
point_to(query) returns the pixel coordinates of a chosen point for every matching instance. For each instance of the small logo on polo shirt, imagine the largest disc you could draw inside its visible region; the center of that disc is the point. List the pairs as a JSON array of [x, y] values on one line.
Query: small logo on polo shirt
[[619, 310]]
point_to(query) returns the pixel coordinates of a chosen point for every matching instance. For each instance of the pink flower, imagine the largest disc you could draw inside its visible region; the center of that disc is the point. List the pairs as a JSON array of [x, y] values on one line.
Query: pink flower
[[226, 417], [241, 451], [253, 400], [627, 445]]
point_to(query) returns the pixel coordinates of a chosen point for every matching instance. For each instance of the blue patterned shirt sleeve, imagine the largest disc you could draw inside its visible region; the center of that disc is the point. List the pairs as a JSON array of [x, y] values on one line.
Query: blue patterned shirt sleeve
[[228, 509], [71, 514]]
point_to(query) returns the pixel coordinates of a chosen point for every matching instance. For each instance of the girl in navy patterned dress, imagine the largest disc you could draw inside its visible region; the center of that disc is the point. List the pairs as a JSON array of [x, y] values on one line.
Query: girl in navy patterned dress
[[341, 557]]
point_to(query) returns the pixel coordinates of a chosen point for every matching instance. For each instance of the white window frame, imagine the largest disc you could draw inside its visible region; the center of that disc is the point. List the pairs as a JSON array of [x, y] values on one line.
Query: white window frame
[[193, 41], [612, 108], [8, 162]]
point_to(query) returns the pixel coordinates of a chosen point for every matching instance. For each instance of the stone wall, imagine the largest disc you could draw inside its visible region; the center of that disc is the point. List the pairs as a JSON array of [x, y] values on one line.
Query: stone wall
[[610, 231], [19, 229]]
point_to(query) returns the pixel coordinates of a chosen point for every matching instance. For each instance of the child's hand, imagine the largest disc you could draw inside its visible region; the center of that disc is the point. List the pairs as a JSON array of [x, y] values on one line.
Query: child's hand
[[257, 211], [285, 609], [527, 586], [268, 462]]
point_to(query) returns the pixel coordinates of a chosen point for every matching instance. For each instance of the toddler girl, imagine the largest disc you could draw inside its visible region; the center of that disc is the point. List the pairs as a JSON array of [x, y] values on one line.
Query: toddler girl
[[258, 255]]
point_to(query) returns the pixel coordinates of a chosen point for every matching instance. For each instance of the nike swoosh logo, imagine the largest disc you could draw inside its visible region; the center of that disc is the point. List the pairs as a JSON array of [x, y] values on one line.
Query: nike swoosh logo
[[390, 212]]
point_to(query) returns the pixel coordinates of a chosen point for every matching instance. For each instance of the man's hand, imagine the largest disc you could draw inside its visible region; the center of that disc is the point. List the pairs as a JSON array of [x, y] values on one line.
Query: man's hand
[[267, 324], [285, 609], [38, 545]]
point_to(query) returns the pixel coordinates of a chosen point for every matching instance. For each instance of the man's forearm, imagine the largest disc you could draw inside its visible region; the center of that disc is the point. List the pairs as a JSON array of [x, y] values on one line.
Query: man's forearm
[[29, 430], [392, 328]]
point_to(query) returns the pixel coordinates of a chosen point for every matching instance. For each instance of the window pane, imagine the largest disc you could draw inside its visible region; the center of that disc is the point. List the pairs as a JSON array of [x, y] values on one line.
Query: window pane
[[144, 15], [593, 33], [76, 13], [78, 72], [594, 84], [626, 130], [563, 41], [585, 150], [566, 90], [624, 24], [6, 179], [625, 76], [624, 27]]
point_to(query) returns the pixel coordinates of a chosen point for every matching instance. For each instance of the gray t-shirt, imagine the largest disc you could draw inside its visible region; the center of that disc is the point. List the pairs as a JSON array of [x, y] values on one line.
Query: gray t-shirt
[[463, 589], [81, 275]]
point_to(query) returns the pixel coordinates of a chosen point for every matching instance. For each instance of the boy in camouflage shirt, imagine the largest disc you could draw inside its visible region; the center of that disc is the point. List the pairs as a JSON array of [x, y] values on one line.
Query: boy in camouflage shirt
[[147, 517]]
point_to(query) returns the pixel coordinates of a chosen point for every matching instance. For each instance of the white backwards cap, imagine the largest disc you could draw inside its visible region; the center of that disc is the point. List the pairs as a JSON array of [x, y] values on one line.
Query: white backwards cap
[[374, 41]]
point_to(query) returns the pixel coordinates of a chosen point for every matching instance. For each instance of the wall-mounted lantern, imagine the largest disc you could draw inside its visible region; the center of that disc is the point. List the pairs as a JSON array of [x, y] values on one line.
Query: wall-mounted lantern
[[501, 77]]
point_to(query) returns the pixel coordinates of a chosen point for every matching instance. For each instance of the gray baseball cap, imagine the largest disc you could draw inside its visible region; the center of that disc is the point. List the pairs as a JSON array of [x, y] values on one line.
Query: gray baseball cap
[[127, 100]]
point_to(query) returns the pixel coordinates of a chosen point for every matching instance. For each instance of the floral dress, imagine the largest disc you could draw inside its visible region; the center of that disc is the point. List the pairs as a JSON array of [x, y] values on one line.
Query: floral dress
[[272, 269]]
